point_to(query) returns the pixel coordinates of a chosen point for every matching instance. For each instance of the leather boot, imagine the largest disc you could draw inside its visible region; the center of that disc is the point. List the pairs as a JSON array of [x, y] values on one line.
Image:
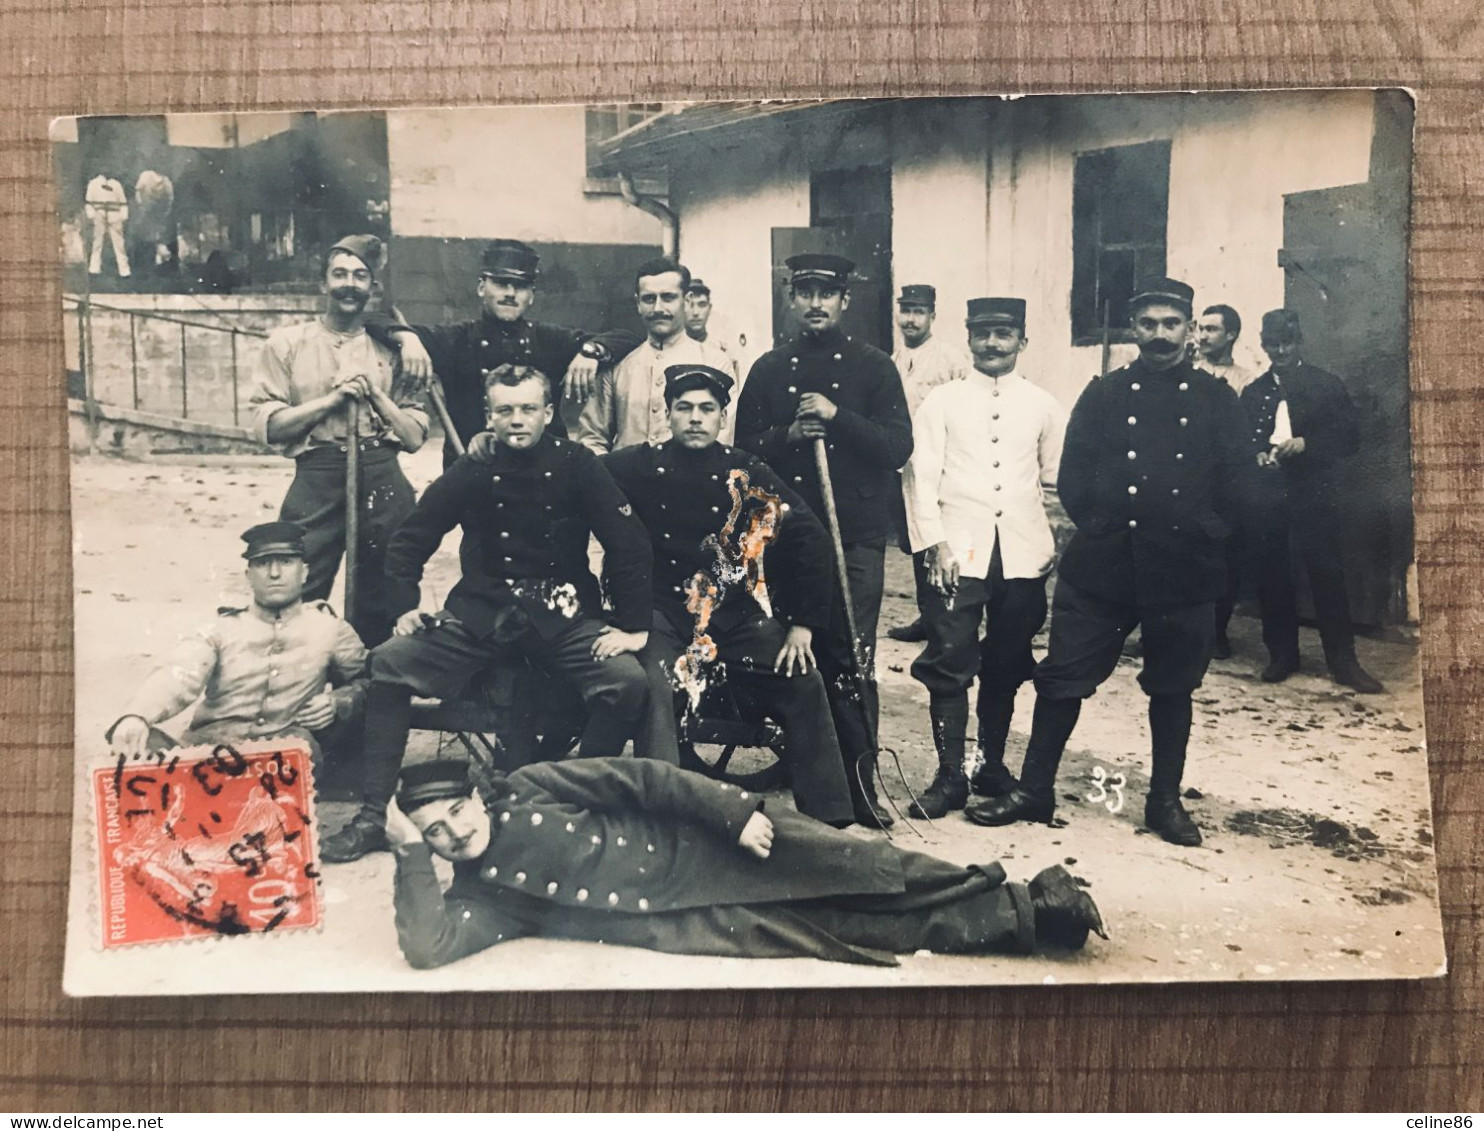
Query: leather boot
[[993, 778], [949, 790], [1169, 729], [360, 837], [1035, 798], [1064, 912], [913, 633], [868, 810]]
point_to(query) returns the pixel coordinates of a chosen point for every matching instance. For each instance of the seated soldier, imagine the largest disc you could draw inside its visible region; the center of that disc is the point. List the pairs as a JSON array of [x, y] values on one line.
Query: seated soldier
[[530, 501], [635, 852], [711, 510], [261, 671]]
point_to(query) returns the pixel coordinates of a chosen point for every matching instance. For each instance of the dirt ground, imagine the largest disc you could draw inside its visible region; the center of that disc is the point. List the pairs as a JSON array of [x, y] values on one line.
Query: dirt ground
[[1317, 863]]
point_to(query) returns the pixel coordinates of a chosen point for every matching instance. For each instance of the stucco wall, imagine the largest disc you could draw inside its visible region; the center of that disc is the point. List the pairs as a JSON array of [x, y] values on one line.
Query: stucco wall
[[982, 203], [1232, 159], [511, 171]]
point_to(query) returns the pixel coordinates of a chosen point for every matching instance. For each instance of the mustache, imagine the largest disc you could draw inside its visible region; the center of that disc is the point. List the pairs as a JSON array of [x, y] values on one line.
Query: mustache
[[342, 293], [1161, 348], [659, 316]]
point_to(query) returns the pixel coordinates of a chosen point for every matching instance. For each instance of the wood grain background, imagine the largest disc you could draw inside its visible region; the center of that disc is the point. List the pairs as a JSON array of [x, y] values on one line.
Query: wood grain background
[[1370, 1046]]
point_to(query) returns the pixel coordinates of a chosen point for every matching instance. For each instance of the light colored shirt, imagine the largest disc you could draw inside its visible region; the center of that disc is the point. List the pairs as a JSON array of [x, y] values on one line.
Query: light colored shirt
[[628, 405], [299, 363], [985, 459], [929, 365], [104, 190], [1237, 376], [255, 671], [1282, 422]]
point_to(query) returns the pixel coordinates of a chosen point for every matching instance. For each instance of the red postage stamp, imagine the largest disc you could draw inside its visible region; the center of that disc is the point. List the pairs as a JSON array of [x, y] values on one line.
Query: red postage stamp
[[206, 841]]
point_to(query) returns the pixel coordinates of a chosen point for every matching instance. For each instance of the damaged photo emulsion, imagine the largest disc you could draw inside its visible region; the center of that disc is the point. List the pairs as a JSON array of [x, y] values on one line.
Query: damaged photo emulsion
[[832, 543]]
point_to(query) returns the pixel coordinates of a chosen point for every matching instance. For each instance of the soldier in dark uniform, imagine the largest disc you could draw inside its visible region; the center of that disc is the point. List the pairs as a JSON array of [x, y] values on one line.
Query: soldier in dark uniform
[[531, 501], [708, 508], [824, 384], [1155, 457], [465, 353], [634, 852], [1302, 421]]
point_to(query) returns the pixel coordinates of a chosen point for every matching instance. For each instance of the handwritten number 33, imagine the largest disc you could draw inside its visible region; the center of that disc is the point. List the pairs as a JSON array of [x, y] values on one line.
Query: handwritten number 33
[[1101, 784]]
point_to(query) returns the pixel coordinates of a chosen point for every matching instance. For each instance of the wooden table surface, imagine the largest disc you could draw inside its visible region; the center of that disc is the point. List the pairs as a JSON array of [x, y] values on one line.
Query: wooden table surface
[[1393, 1046]]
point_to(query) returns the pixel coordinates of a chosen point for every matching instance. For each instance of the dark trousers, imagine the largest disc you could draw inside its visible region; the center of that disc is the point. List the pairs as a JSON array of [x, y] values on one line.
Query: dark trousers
[[316, 501], [1236, 570], [438, 662], [944, 908], [797, 702], [853, 699], [1087, 635], [1015, 610], [1312, 526]]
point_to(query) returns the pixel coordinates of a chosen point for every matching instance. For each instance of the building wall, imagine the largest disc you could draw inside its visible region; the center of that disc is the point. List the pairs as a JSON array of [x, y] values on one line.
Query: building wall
[[939, 204], [511, 171], [462, 177], [730, 200], [1232, 159], [982, 203]]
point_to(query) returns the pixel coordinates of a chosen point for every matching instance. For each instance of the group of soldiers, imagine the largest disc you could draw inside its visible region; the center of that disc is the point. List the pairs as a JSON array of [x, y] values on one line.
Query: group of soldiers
[[761, 564]]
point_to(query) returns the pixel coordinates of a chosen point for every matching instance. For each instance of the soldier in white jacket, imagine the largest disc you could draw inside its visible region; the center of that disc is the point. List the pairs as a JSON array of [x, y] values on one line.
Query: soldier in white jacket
[[986, 457]]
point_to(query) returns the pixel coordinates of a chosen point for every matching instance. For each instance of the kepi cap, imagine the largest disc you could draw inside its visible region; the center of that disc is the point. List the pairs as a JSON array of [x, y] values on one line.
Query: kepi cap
[[697, 287], [433, 781], [509, 259], [1159, 288], [1280, 323], [278, 538], [996, 312], [918, 294], [686, 378], [816, 267]]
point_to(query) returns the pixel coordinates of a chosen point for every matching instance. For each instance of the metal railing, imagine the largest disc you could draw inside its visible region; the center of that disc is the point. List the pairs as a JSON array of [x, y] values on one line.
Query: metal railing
[[85, 306]]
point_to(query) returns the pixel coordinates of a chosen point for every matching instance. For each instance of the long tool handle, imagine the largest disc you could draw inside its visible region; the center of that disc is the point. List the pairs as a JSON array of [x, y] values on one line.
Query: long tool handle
[[440, 406], [832, 519], [352, 501]]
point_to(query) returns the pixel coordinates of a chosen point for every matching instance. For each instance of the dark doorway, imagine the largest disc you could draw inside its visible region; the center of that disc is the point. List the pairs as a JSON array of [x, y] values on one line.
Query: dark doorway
[[849, 215], [1345, 261]]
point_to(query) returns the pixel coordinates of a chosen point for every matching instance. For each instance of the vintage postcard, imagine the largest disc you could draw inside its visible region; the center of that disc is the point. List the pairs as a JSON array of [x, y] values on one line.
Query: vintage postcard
[[836, 543]]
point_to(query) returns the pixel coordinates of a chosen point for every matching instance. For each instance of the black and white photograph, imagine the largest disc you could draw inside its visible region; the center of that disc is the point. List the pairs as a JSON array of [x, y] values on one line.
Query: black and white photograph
[[841, 543]]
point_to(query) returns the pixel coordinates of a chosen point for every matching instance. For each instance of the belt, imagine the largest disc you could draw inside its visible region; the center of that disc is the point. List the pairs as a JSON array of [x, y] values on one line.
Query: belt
[[340, 447]]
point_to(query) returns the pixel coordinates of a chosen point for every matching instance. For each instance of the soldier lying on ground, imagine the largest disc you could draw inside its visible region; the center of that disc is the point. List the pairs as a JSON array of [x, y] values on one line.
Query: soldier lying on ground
[[635, 852]]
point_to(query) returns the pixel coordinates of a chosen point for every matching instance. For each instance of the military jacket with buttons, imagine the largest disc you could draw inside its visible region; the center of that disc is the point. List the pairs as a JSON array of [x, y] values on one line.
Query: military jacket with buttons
[[464, 353], [530, 514], [1153, 465], [1319, 410], [578, 844], [255, 670], [869, 440], [685, 500]]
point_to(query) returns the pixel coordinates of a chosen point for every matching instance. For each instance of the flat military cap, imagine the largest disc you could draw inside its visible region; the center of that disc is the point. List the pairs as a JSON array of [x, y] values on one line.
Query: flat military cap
[[996, 312], [918, 294], [1160, 289], [509, 259], [367, 248], [438, 780], [687, 378], [281, 538], [1282, 324], [814, 267], [697, 287]]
